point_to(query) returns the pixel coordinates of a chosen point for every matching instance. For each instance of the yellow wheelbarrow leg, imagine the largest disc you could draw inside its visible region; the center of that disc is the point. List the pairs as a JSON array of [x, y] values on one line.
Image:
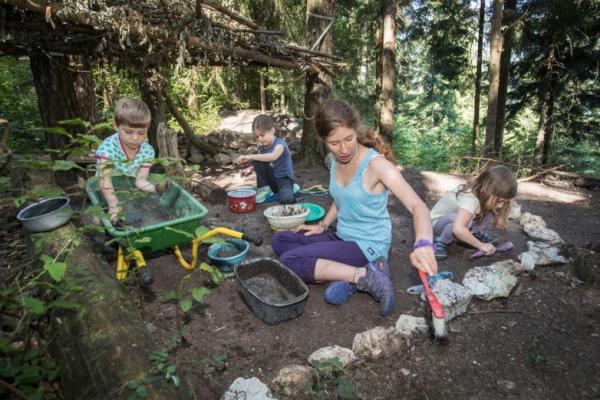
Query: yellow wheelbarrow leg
[[122, 265], [196, 242], [146, 278], [191, 265], [123, 262]]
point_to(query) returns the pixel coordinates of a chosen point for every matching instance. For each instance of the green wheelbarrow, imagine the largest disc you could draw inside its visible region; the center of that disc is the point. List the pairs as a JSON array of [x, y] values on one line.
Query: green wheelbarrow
[[183, 226]]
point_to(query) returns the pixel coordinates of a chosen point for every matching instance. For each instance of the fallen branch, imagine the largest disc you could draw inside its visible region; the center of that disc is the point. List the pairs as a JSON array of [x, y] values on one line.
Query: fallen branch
[[259, 31], [493, 160], [140, 34], [312, 52], [573, 175], [544, 172], [187, 128], [231, 14]]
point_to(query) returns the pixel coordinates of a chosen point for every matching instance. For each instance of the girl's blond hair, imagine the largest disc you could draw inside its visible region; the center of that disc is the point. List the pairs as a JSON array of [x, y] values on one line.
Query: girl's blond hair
[[335, 113], [499, 182]]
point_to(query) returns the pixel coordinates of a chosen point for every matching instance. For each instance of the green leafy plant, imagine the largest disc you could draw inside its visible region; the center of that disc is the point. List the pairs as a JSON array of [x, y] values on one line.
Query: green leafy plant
[[215, 363], [329, 376], [162, 374], [26, 303]]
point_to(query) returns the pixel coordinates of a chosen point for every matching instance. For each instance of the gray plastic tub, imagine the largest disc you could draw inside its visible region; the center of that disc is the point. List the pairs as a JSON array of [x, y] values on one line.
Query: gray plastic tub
[[273, 292]]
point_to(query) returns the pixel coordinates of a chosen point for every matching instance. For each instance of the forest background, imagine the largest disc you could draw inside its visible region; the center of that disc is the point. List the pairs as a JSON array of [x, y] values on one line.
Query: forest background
[[553, 48]]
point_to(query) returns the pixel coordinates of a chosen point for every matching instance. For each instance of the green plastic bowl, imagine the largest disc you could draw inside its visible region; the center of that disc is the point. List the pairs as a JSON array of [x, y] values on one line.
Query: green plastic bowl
[[315, 211]]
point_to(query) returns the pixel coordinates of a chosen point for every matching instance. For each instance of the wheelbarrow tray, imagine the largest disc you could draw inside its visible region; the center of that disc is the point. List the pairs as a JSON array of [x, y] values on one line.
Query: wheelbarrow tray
[[159, 236]]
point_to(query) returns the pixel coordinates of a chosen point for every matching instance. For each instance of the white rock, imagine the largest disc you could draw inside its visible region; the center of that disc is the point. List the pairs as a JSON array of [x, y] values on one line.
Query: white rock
[[292, 126], [293, 379], [453, 297], [541, 253], [408, 324], [376, 342], [343, 354], [535, 227], [515, 210], [248, 389], [490, 282], [550, 254], [528, 260]]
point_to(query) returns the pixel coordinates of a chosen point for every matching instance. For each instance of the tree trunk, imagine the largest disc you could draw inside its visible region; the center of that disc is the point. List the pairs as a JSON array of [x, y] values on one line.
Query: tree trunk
[[263, 105], [388, 77], [318, 85], [378, 68], [544, 130], [478, 78], [282, 105], [104, 343], [167, 141], [186, 127], [495, 51], [508, 18], [65, 90], [150, 84], [549, 126]]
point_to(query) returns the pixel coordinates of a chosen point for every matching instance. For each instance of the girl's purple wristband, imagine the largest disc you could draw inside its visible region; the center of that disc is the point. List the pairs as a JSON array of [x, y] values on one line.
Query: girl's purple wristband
[[422, 243]]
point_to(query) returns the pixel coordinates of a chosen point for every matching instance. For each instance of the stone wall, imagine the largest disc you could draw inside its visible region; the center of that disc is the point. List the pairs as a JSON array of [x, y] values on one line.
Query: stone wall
[[231, 143]]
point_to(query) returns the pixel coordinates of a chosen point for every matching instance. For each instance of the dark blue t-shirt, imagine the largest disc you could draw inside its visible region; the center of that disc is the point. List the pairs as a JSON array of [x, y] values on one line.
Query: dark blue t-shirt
[[283, 165]]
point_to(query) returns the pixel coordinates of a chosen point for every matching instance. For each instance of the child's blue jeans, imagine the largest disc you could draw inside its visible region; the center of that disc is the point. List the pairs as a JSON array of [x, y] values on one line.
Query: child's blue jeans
[[283, 186]]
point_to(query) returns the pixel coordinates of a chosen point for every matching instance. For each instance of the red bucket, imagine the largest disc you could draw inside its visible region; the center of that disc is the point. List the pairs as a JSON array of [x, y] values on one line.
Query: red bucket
[[241, 200]]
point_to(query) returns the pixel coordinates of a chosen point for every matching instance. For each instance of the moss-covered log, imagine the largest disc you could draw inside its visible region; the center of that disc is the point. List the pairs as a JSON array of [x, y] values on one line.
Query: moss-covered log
[[103, 344]]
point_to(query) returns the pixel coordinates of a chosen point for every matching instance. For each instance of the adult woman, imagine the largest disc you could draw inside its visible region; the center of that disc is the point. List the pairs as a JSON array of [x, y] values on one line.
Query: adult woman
[[355, 257]]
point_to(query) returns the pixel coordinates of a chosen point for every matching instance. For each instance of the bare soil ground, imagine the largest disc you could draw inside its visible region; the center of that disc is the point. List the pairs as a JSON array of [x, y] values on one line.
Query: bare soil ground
[[542, 342]]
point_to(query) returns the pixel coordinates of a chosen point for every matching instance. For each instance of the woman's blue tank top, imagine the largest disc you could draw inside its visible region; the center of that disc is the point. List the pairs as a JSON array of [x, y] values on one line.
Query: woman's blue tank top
[[362, 217]]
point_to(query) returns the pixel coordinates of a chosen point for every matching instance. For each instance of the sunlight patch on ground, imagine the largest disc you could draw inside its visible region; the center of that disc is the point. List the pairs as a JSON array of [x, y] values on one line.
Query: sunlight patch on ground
[[231, 179], [439, 183], [239, 121], [535, 191]]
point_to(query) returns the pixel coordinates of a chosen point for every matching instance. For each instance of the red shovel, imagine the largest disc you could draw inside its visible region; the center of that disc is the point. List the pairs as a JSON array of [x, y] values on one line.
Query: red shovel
[[438, 315]]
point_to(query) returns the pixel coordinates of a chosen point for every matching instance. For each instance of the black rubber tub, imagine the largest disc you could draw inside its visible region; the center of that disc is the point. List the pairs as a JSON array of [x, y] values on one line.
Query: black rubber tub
[[273, 292]]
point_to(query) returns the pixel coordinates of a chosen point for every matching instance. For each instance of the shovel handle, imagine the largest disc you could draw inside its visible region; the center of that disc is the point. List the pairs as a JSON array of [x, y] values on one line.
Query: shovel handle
[[436, 308]]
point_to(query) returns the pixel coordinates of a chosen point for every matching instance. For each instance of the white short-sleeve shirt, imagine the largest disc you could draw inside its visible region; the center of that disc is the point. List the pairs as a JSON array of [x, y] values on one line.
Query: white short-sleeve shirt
[[452, 201]]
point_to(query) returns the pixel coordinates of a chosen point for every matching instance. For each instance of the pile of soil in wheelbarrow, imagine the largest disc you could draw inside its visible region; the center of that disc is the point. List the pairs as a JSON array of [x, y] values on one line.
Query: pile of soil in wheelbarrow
[[146, 211]]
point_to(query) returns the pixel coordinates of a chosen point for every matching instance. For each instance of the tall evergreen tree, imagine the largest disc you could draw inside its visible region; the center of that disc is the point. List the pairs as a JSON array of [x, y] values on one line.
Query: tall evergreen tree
[[494, 79], [477, 100], [388, 70], [509, 17], [557, 70], [319, 16], [64, 87]]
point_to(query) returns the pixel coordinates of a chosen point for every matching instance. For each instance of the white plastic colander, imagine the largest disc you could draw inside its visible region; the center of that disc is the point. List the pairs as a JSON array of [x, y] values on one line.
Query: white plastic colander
[[286, 216]]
